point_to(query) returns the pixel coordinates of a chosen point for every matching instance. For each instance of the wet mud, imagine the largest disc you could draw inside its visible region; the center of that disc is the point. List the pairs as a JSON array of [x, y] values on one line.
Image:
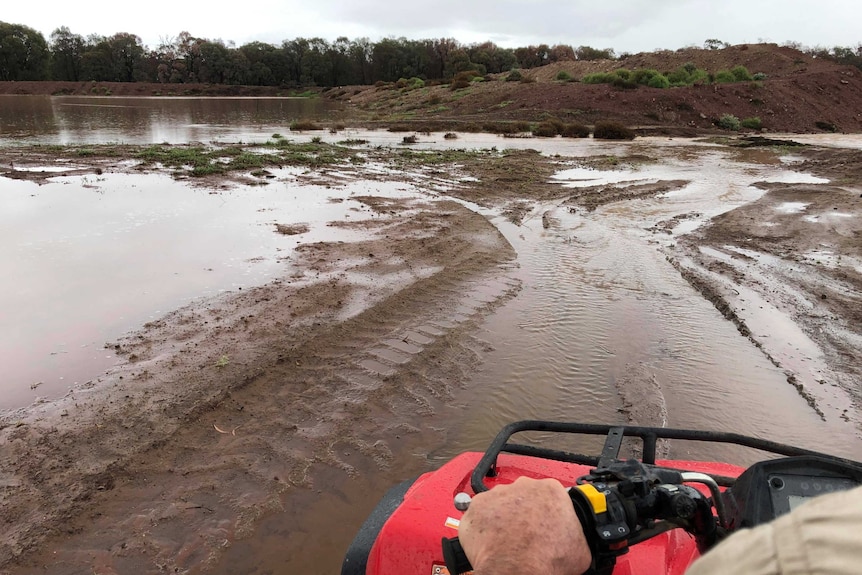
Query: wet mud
[[248, 421]]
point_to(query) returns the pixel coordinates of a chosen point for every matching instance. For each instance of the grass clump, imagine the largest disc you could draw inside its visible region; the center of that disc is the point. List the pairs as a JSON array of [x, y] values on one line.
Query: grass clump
[[564, 76], [752, 123], [729, 122], [606, 130], [741, 74], [735, 74], [659, 81], [408, 84]]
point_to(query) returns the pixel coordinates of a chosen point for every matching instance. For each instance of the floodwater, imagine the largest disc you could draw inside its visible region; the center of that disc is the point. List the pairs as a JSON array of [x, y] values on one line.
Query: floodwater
[[603, 322], [149, 120], [86, 259], [604, 316]]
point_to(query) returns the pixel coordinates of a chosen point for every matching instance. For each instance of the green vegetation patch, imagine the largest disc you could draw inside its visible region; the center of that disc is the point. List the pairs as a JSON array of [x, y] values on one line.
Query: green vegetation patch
[[729, 122]]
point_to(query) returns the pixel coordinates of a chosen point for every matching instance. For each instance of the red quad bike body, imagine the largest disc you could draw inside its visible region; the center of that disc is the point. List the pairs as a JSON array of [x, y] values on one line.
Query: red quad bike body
[[403, 535]]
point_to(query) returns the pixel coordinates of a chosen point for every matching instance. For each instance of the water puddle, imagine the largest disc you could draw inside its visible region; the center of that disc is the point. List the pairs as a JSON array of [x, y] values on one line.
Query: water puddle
[[791, 207], [90, 258]]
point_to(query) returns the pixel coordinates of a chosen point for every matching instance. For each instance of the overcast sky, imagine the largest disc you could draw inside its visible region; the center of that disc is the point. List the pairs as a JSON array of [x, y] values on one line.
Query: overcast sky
[[624, 25]]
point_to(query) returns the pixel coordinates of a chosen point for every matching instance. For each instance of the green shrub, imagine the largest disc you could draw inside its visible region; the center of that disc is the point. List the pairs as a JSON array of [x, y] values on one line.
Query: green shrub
[[687, 75], [612, 131], [759, 77], [564, 76], [410, 84], [599, 78], [575, 130], [698, 76], [623, 73], [753, 123], [724, 77], [741, 74], [729, 122], [658, 81], [644, 76]]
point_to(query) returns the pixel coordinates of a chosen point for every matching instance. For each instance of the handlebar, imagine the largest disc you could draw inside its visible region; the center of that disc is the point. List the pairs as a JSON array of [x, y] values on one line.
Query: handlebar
[[622, 503], [625, 503]]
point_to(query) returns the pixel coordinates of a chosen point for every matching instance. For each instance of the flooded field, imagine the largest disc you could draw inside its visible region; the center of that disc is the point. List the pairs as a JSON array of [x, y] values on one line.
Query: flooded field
[[91, 258], [280, 355]]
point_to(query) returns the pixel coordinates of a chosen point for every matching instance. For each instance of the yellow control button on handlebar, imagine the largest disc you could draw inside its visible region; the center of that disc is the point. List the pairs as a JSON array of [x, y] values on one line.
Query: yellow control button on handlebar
[[596, 498]]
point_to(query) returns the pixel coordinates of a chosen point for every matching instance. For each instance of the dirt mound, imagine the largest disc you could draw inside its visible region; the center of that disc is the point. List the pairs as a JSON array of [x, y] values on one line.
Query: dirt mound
[[800, 94]]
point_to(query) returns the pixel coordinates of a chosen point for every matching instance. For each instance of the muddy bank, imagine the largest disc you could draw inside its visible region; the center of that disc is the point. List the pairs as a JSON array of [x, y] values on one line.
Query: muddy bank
[[236, 408]]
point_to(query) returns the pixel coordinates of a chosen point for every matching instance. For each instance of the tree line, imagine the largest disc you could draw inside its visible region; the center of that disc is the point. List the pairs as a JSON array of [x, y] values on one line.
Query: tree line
[[25, 54]]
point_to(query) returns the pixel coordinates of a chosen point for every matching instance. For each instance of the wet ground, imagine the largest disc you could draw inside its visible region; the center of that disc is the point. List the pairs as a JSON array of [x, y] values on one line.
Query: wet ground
[[253, 431]]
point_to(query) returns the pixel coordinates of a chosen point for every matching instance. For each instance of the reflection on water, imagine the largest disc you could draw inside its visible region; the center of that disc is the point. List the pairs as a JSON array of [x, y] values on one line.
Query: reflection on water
[[97, 120], [86, 260]]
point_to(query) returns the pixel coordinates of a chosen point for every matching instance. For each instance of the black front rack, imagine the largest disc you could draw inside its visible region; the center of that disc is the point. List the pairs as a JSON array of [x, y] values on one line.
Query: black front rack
[[614, 438]]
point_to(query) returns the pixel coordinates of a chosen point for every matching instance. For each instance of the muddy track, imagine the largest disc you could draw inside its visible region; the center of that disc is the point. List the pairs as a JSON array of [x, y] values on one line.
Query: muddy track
[[708, 289], [228, 408]]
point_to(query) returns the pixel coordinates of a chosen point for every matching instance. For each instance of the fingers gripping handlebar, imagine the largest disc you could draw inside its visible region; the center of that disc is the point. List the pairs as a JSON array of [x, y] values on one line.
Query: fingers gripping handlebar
[[621, 505]]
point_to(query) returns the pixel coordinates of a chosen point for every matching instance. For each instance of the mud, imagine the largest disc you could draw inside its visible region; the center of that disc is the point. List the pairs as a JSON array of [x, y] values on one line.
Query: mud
[[236, 408], [798, 249]]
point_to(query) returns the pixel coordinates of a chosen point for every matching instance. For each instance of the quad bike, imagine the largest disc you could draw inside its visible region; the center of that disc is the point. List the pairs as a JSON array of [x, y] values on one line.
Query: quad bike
[[640, 516]]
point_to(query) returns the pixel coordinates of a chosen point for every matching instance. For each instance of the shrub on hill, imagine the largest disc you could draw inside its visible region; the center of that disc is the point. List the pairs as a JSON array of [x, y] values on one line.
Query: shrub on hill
[[753, 123], [724, 77], [659, 81], [741, 74], [599, 78], [728, 122]]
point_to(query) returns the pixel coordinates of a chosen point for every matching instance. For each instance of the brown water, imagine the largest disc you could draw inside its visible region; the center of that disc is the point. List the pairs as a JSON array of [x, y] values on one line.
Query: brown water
[[146, 120]]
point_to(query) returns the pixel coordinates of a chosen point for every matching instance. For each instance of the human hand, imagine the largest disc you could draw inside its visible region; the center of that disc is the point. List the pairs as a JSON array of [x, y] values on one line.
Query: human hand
[[528, 526]]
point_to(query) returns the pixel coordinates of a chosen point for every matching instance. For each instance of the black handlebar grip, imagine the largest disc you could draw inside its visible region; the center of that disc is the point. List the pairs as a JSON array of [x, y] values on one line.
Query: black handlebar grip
[[454, 556]]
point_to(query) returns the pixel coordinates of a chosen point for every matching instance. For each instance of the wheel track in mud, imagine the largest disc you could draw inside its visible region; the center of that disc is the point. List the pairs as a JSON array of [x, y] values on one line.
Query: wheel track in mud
[[351, 385]]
